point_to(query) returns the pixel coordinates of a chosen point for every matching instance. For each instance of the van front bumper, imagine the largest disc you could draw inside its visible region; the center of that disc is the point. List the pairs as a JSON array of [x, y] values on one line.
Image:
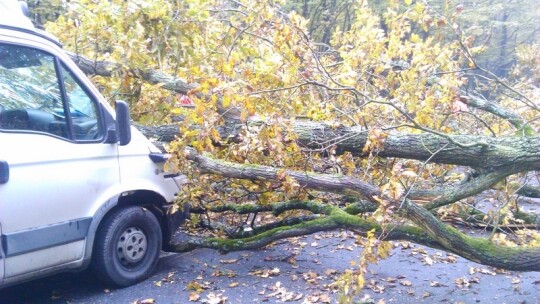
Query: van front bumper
[[174, 215]]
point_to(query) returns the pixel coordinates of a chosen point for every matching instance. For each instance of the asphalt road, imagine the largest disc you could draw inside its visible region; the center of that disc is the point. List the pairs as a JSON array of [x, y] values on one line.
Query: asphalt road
[[300, 270]]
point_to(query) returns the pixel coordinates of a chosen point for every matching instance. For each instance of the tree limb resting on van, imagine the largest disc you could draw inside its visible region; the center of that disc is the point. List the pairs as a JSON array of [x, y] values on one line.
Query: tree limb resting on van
[[493, 159]]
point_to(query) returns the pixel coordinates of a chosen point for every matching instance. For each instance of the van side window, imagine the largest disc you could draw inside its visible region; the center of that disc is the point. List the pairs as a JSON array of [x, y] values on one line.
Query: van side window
[[33, 100], [83, 109], [30, 96]]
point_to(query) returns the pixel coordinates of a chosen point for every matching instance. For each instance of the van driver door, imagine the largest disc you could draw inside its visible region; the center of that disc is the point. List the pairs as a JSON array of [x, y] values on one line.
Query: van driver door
[[55, 162]]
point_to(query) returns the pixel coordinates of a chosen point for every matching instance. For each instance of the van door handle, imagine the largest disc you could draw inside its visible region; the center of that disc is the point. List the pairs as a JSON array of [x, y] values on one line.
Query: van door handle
[[4, 172]]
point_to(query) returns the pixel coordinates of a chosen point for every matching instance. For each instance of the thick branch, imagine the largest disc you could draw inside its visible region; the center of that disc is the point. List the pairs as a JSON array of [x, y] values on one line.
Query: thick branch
[[163, 133], [336, 219], [107, 69], [287, 222], [522, 152], [495, 109], [255, 242], [529, 191], [516, 154], [475, 249], [451, 195], [331, 183], [275, 208]]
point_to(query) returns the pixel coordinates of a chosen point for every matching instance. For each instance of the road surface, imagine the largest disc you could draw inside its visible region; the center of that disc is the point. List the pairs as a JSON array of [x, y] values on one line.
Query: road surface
[[299, 270]]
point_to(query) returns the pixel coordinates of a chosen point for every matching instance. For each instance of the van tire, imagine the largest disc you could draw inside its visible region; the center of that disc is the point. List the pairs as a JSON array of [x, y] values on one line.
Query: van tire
[[127, 246]]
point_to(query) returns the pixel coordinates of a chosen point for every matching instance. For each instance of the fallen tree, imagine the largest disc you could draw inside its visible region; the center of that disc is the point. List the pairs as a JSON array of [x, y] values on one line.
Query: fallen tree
[[429, 231], [344, 140], [492, 158]]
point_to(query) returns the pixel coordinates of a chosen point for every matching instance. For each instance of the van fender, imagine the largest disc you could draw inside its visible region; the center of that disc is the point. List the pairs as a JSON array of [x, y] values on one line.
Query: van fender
[[100, 213], [170, 221]]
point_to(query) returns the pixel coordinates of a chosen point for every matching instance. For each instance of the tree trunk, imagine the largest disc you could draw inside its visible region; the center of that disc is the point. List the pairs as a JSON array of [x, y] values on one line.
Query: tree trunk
[[476, 249], [511, 154]]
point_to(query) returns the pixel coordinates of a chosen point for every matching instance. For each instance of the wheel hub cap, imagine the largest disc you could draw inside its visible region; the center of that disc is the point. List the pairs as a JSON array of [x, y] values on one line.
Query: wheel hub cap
[[132, 246]]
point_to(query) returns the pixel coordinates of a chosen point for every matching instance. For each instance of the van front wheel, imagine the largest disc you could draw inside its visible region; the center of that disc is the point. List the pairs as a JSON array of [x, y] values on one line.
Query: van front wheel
[[127, 246]]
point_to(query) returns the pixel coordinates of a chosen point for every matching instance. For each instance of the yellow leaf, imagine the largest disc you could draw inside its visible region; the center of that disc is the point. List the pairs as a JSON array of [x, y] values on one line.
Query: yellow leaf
[[228, 68], [194, 297], [226, 101], [405, 283], [384, 249], [409, 174], [360, 281]]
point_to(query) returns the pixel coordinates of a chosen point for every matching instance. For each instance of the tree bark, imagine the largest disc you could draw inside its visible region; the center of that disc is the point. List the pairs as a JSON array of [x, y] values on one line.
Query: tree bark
[[476, 249], [516, 154], [108, 69], [509, 154]]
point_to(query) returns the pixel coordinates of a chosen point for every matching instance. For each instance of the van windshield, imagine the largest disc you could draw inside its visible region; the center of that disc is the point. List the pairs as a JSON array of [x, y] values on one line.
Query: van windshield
[[28, 80]]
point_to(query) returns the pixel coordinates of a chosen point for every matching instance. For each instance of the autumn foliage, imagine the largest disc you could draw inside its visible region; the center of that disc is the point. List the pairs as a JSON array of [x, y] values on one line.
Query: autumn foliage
[[279, 118]]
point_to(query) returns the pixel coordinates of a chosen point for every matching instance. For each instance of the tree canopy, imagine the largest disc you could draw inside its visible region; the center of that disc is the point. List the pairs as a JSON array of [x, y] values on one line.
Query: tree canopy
[[396, 121]]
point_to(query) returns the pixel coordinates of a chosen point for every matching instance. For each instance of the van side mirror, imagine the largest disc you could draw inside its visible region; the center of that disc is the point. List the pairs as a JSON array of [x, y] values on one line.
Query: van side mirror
[[24, 8], [123, 124]]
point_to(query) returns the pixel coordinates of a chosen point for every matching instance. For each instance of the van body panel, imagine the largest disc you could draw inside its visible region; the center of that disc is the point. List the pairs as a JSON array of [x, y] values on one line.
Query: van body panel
[[55, 187], [53, 183]]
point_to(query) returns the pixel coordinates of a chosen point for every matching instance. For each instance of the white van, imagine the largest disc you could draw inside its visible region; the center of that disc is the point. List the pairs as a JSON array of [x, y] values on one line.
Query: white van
[[79, 186]]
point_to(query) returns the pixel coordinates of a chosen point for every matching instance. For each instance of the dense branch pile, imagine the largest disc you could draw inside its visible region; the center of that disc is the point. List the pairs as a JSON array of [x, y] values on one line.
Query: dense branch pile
[[432, 231], [387, 129], [494, 159]]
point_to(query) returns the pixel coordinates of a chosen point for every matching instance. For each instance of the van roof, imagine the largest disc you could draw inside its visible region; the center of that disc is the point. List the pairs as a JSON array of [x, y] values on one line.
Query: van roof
[[12, 17]]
